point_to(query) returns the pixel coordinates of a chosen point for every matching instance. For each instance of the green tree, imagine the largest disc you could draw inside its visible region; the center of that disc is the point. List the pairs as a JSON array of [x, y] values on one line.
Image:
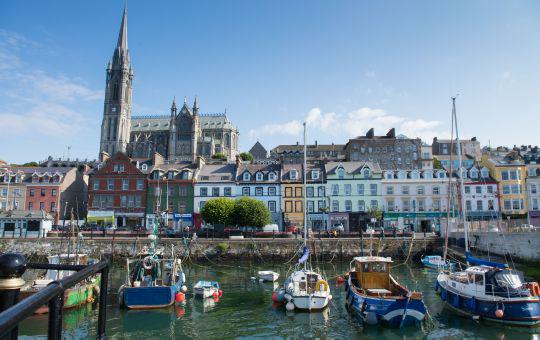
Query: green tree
[[249, 212], [221, 156], [246, 156], [375, 212], [437, 164], [218, 211]]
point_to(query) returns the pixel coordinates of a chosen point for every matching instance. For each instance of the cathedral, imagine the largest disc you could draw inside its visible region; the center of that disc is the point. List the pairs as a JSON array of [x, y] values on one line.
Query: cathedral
[[180, 136]]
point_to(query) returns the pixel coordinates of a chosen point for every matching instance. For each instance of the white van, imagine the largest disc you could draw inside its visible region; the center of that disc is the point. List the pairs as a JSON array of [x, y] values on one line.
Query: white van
[[270, 228]]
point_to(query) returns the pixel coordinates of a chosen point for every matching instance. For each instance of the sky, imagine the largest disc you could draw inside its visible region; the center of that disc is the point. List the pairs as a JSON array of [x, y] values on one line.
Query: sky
[[341, 66]]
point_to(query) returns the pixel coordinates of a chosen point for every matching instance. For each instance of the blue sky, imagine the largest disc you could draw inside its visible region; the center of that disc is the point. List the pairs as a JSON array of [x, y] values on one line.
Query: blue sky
[[345, 66]]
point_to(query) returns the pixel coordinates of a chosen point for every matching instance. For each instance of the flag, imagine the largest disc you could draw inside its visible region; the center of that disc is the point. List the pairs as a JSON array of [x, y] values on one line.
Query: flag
[[305, 255]]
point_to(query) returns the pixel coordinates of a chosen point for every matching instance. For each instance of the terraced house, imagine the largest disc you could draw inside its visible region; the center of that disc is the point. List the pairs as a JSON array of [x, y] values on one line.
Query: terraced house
[[317, 206], [262, 182], [352, 188], [292, 189]]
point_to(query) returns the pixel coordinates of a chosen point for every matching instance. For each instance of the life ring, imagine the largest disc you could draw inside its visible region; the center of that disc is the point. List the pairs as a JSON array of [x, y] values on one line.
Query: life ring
[[321, 286], [534, 288], [148, 263]]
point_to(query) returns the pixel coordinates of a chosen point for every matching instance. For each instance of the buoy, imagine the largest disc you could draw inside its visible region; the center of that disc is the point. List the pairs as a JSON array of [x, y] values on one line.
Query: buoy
[[274, 297], [499, 313], [220, 293], [184, 289], [216, 299], [179, 311], [216, 295], [340, 279], [330, 297], [179, 297], [289, 306]]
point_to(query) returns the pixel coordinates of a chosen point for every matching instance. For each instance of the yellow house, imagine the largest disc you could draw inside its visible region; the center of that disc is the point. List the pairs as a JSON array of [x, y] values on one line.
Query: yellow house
[[510, 173], [292, 191]]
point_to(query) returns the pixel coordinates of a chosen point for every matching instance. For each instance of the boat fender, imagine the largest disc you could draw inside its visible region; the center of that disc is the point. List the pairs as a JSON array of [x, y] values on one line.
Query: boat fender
[[274, 297], [289, 306], [288, 297], [220, 292], [148, 262], [216, 295], [330, 297], [499, 313], [321, 286], [184, 289], [371, 318], [183, 277], [280, 295], [180, 297]]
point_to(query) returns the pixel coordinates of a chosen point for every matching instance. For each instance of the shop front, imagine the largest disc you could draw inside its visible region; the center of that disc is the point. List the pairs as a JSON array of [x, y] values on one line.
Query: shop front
[[339, 217], [414, 221], [101, 217], [130, 219], [535, 218], [317, 221]]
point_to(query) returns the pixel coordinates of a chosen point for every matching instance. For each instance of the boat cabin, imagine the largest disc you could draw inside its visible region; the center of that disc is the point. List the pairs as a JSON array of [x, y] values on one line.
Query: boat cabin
[[372, 275], [307, 282], [490, 281]]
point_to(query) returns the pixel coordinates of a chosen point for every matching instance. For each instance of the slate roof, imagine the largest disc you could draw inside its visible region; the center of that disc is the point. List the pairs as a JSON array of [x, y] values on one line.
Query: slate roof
[[25, 214], [161, 122], [286, 172], [351, 167], [254, 168], [217, 173]]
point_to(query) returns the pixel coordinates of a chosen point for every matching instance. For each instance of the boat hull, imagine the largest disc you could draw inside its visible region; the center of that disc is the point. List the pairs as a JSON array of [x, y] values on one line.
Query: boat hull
[[518, 312], [394, 312], [148, 297], [310, 303], [204, 292], [443, 265], [270, 277]]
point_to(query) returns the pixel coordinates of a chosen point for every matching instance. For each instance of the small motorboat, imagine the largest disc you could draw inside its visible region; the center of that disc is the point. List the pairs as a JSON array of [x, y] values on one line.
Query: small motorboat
[[268, 275], [437, 262], [206, 289], [375, 297]]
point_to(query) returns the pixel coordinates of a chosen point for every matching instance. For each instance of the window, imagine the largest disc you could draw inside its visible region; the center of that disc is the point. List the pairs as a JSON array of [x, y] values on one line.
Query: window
[[535, 204], [30, 205], [42, 192], [390, 205], [138, 201], [335, 205], [258, 191], [54, 192], [321, 191], [201, 204], [204, 192], [491, 205], [288, 191], [479, 205], [131, 201], [227, 191], [474, 173], [315, 174], [374, 204], [321, 205], [348, 189], [467, 189], [441, 174], [478, 189], [389, 190], [122, 168], [125, 184], [110, 201], [271, 191], [310, 206], [515, 204], [389, 175], [360, 189], [404, 190], [366, 173], [123, 201], [170, 175], [110, 184], [272, 206], [245, 191], [298, 206], [53, 206], [341, 173], [96, 184], [436, 190], [294, 174], [490, 189], [533, 189], [505, 176], [298, 192], [348, 205], [514, 175], [215, 192], [246, 176], [309, 191], [288, 206], [406, 205], [32, 192], [484, 173], [41, 205], [335, 189], [436, 205], [421, 205], [468, 205], [361, 205], [140, 184], [373, 189], [115, 168], [420, 190], [259, 176]]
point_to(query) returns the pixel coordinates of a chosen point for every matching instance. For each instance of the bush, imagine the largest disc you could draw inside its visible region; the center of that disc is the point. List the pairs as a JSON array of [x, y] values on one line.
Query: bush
[[249, 212], [221, 156], [223, 247], [218, 211], [246, 156]]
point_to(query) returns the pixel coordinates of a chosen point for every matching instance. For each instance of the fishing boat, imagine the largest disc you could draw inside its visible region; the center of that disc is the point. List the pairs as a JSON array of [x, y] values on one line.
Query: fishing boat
[[268, 275], [305, 288], [488, 290], [76, 296], [206, 289], [437, 262], [375, 297]]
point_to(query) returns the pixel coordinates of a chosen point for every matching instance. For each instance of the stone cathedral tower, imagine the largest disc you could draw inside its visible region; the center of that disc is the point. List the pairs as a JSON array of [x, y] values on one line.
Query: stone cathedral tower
[[116, 124]]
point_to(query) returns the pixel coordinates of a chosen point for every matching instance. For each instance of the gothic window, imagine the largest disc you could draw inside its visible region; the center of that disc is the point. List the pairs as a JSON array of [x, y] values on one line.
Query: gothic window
[[227, 140], [115, 91]]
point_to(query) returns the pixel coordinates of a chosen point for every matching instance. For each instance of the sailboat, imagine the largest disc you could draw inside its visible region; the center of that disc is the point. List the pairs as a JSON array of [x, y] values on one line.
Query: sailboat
[[487, 290], [304, 289]]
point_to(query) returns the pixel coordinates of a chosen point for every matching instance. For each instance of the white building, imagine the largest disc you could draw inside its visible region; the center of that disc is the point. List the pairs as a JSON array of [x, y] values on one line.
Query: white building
[[533, 193], [481, 194], [213, 181]]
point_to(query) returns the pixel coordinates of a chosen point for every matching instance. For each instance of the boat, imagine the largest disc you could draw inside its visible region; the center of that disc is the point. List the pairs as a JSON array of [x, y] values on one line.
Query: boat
[[152, 281], [375, 297], [437, 262], [206, 289], [304, 289], [268, 275], [488, 290], [76, 296]]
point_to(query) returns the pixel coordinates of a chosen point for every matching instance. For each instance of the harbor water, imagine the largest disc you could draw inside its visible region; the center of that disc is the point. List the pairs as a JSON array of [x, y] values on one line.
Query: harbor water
[[246, 310]]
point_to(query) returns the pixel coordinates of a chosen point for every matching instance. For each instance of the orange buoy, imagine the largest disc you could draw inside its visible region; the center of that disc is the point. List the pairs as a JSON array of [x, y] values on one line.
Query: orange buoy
[[499, 313], [340, 279], [220, 293], [216, 295], [216, 299], [179, 297], [274, 297]]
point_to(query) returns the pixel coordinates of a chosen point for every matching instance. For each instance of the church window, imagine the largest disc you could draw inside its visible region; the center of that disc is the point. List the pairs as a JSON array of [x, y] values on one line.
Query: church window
[[227, 140], [115, 91]]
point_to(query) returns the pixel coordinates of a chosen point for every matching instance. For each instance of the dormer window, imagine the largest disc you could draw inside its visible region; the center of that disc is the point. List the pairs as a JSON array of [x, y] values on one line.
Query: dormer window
[[428, 174], [389, 175], [6, 178], [484, 173], [341, 173], [366, 173], [272, 176], [259, 176], [170, 175], [463, 173], [46, 178], [56, 179], [441, 174], [294, 174], [414, 175], [156, 175], [315, 174], [402, 175], [18, 178], [473, 173], [144, 167], [246, 176]]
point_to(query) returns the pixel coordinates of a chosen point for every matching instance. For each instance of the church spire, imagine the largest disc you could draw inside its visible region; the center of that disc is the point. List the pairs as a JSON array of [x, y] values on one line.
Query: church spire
[[173, 107], [195, 106], [121, 53]]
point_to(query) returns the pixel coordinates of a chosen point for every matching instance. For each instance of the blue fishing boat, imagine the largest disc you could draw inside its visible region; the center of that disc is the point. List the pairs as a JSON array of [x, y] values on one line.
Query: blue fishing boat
[[375, 297], [437, 262]]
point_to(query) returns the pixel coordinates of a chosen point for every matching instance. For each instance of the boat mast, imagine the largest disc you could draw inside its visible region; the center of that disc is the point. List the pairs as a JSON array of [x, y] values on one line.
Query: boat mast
[[305, 193], [450, 196], [462, 187]]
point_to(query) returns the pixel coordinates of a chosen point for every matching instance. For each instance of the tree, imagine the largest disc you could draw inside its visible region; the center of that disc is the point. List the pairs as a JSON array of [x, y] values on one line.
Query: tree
[[221, 156], [218, 211], [249, 212], [375, 212], [246, 156], [437, 164]]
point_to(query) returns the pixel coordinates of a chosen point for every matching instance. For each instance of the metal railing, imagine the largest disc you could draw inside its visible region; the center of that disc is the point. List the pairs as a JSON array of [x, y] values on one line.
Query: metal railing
[[12, 266]]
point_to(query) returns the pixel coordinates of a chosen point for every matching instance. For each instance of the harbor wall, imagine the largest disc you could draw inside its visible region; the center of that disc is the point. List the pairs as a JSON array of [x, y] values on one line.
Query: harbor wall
[[224, 249], [521, 245]]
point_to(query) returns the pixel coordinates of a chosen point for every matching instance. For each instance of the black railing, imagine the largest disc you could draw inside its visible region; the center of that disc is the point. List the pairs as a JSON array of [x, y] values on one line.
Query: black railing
[[12, 266]]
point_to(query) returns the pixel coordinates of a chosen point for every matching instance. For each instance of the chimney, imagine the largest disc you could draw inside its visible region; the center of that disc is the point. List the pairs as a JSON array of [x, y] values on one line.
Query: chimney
[[158, 159], [316, 144], [103, 156], [200, 162], [370, 133], [391, 133], [238, 160], [296, 142]]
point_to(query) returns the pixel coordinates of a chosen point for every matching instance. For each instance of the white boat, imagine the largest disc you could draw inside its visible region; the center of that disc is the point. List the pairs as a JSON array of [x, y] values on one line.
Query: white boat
[[268, 275], [206, 289]]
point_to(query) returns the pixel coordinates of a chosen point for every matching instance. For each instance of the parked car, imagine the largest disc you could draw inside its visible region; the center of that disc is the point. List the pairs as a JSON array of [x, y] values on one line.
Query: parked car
[[233, 233], [270, 228], [337, 227], [528, 227]]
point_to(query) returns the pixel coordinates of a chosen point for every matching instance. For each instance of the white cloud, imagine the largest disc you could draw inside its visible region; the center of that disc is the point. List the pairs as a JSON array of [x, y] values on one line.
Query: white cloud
[[338, 127]]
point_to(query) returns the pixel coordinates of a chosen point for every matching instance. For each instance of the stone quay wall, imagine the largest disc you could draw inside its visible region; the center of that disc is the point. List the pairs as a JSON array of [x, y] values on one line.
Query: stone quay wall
[[225, 249]]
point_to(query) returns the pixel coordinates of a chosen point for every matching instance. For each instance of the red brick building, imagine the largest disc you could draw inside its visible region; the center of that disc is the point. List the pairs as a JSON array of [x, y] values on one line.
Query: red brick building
[[117, 193]]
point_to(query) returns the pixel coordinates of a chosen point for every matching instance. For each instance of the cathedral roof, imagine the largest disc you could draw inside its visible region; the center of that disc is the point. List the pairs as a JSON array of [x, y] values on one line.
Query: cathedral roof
[[161, 122]]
